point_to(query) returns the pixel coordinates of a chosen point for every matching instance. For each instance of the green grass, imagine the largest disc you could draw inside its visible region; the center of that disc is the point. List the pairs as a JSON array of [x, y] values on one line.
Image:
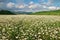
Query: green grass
[[54, 12], [29, 27]]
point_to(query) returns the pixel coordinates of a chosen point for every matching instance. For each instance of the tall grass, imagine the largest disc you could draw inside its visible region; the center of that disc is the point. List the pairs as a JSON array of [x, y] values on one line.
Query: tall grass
[[29, 27]]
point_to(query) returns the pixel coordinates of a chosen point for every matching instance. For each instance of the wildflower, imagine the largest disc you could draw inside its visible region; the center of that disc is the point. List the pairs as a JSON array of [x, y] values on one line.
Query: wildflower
[[10, 28], [3, 37], [39, 39], [47, 33], [43, 33], [3, 30], [17, 37], [35, 35], [39, 33], [59, 37]]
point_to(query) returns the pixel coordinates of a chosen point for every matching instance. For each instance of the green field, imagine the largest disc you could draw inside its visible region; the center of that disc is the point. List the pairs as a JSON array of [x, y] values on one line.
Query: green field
[[29, 27], [52, 12]]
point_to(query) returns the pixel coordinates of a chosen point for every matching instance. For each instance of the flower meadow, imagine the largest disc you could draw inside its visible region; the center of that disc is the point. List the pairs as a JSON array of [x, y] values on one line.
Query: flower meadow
[[29, 27]]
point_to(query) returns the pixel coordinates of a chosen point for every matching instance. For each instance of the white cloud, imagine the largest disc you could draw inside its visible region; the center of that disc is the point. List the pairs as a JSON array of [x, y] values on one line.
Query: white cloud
[[58, 8], [10, 5], [20, 6], [32, 6], [44, 6], [52, 8], [31, 2]]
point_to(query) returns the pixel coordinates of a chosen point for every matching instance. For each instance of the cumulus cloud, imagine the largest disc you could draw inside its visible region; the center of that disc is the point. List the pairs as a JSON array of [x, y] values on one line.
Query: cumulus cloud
[[10, 5], [44, 6], [58, 8], [20, 6], [31, 2], [53, 8], [31, 6]]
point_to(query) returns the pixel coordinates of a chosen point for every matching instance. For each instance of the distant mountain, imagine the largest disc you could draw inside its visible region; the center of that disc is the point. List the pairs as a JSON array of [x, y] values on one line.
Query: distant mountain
[[6, 12], [52, 12], [22, 12]]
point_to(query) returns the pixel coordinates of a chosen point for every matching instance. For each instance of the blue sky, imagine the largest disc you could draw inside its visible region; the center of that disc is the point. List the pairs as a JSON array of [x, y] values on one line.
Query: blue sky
[[29, 5]]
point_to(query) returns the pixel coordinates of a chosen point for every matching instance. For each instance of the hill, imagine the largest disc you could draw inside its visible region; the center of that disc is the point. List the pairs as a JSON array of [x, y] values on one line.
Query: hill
[[53, 12], [6, 12], [22, 12]]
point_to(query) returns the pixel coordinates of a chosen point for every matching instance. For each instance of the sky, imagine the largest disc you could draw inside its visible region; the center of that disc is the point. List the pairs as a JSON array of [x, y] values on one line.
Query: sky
[[29, 5]]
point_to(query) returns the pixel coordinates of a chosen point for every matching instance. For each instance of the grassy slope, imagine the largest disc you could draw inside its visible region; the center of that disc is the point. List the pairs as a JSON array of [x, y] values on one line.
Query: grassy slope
[[55, 12], [29, 27]]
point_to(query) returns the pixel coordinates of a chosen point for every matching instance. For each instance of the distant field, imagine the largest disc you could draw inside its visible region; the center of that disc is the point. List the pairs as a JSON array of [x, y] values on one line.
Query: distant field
[[52, 12], [29, 27]]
